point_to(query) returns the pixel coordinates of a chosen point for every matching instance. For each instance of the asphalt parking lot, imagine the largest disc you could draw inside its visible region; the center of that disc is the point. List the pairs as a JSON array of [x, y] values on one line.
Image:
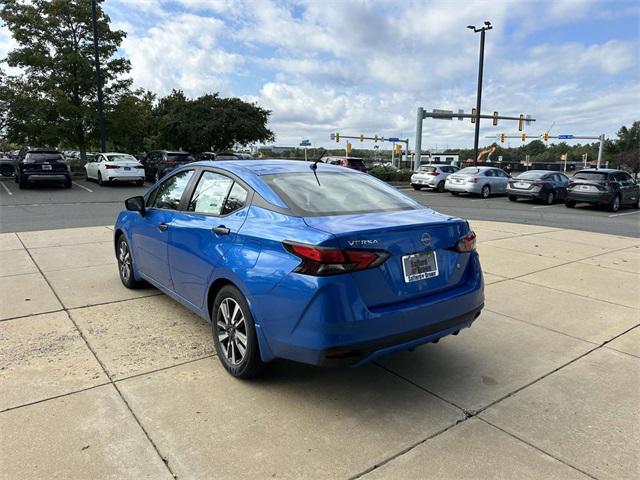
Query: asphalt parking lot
[[97, 381], [87, 204]]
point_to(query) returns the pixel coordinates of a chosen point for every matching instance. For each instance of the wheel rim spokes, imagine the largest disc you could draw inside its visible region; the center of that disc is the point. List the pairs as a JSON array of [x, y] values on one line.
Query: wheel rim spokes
[[124, 258], [232, 331]]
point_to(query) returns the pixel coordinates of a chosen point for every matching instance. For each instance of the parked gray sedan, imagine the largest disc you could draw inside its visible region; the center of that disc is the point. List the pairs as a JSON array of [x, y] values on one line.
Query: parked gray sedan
[[483, 181]]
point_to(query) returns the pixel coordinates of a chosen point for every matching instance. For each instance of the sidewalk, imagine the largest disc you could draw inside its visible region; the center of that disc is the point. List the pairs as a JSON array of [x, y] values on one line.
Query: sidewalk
[[97, 381]]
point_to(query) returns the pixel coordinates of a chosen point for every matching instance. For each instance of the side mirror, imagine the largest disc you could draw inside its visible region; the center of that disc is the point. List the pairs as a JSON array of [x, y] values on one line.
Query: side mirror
[[135, 204]]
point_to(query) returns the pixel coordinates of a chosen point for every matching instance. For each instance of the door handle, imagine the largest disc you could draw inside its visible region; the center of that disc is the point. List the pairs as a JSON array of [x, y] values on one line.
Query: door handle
[[221, 230], [163, 227]]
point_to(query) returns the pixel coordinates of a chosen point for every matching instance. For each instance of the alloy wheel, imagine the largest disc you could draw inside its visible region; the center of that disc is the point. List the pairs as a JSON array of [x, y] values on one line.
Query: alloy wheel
[[615, 206], [486, 191], [124, 262], [232, 331], [550, 198]]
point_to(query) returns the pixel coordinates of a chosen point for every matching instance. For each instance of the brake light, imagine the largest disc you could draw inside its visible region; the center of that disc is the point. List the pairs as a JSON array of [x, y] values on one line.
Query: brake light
[[110, 167], [538, 184], [323, 261], [472, 180], [434, 174], [467, 243]]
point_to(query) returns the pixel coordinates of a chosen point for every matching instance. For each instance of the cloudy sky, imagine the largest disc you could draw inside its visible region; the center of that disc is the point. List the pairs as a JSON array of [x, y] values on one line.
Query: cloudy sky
[[359, 66]]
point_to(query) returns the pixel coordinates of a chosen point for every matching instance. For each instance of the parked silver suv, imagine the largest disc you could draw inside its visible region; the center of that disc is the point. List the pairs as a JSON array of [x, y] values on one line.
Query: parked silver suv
[[432, 176]]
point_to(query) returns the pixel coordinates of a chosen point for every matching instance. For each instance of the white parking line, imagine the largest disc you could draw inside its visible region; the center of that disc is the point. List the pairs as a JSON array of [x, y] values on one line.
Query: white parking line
[[626, 213], [82, 186], [7, 189], [545, 206]]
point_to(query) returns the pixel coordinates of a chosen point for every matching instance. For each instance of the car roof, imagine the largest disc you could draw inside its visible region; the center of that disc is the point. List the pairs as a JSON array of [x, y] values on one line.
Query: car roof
[[600, 170], [251, 170], [541, 171], [115, 153]]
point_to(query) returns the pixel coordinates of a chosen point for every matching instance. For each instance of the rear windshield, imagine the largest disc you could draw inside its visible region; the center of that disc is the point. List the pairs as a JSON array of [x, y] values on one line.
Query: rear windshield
[[179, 157], [338, 193], [427, 169], [469, 171], [594, 176], [121, 158], [531, 175], [37, 157]]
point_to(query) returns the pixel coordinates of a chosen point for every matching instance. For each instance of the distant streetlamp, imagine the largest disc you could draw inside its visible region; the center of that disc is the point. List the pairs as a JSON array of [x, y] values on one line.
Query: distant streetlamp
[[103, 135], [482, 30]]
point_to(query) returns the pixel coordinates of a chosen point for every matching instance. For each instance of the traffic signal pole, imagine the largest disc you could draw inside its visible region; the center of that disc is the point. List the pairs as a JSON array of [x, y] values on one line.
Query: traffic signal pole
[[476, 136]]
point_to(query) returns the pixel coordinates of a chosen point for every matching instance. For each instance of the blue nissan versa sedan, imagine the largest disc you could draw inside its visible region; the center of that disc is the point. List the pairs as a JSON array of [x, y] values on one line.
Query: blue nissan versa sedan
[[310, 262]]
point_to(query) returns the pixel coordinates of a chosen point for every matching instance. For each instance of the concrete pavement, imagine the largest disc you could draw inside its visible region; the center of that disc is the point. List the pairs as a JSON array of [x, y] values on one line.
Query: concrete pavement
[[97, 381]]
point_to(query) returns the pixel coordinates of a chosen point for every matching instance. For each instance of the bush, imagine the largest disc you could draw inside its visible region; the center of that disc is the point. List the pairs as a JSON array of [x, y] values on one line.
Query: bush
[[390, 174]]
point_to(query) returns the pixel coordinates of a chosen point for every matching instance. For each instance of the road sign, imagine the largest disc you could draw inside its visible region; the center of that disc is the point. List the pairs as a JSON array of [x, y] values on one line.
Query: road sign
[[305, 143], [393, 139], [444, 114], [565, 137]]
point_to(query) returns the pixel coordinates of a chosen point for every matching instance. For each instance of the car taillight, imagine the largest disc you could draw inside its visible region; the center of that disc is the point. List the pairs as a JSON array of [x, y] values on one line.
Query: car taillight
[[472, 180], [538, 184], [109, 167], [140, 166], [467, 243], [434, 174], [323, 261]]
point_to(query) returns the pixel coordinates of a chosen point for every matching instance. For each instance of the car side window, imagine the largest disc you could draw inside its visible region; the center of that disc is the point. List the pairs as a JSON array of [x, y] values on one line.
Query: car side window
[[169, 193], [235, 200], [210, 194], [489, 173]]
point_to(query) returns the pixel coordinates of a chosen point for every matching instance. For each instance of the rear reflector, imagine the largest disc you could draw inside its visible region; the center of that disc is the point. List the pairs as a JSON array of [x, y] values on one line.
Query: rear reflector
[[467, 243], [323, 261]]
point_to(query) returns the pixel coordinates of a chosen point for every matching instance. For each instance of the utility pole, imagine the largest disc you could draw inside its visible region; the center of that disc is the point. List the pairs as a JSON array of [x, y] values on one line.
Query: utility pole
[[103, 135], [482, 30], [418, 149]]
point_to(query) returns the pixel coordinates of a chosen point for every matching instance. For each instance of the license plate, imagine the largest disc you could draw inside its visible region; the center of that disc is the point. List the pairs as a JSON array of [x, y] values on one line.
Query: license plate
[[419, 266], [127, 168], [521, 185], [46, 167], [585, 187]]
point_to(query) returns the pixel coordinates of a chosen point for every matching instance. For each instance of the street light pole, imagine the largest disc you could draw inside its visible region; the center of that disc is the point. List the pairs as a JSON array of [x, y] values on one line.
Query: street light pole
[[103, 135], [482, 30]]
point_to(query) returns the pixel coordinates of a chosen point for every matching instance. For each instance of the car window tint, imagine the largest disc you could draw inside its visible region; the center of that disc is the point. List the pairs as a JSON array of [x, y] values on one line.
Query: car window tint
[[337, 193], [489, 173], [170, 191], [236, 199], [210, 193], [592, 176]]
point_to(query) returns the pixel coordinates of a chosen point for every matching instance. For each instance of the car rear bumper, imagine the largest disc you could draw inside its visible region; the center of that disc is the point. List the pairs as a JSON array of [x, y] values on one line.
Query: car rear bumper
[[336, 328], [596, 198], [466, 187], [516, 192], [46, 177]]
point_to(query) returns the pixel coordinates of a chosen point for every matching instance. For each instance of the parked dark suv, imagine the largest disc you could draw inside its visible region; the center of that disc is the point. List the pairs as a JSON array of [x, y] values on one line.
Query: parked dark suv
[[37, 165], [160, 162], [605, 186]]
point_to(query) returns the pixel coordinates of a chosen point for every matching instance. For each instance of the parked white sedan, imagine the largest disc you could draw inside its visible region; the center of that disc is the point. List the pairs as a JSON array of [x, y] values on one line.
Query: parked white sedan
[[109, 167]]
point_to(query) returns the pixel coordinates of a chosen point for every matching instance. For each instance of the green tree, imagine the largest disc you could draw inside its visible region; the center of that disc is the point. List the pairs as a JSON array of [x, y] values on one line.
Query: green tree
[[56, 95], [210, 123], [130, 122]]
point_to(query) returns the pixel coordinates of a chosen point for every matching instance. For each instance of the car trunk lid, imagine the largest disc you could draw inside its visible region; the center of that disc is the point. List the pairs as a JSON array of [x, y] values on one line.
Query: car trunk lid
[[400, 233]]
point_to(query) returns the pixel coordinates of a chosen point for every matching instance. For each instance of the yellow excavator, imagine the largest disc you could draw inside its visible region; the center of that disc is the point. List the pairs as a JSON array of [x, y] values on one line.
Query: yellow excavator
[[488, 152]]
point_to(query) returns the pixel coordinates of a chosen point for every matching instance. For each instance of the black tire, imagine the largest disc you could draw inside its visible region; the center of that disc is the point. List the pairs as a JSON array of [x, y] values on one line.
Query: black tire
[[125, 264], [455, 194], [614, 204], [485, 192], [513, 198], [22, 183], [140, 183], [6, 170], [637, 204], [440, 186], [236, 330], [67, 183], [86, 176], [569, 203], [551, 198], [416, 187], [100, 181]]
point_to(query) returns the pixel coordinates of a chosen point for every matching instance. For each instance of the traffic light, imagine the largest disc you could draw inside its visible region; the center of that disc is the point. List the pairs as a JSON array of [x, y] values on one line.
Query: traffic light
[[375, 139], [361, 137], [473, 115], [337, 138], [495, 118], [349, 147], [521, 123], [398, 149], [524, 137], [502, 137], [545, 136], [584, 157]]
